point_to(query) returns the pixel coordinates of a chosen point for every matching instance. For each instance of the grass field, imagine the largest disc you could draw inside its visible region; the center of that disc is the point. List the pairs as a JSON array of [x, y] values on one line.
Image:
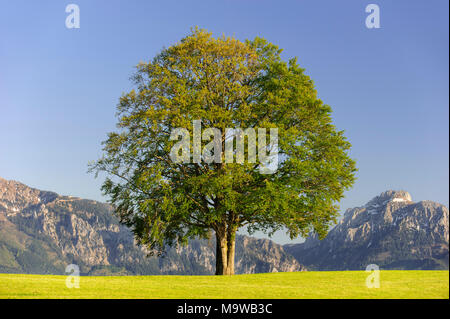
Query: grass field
[[333, 284]]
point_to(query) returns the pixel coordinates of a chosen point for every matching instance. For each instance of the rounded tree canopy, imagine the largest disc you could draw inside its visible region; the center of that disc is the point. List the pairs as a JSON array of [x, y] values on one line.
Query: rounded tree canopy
[[224, 83]]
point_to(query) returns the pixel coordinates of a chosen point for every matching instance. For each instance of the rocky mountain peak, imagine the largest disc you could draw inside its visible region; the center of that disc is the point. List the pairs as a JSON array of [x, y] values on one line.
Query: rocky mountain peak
[[390, 230], [15, 196], [385, 203], [391, 196]]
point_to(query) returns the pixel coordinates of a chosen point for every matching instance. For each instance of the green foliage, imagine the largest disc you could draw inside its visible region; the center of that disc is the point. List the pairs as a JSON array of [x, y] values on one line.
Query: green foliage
[[7, 260], [107, 271], [34, 259], [227, 84]]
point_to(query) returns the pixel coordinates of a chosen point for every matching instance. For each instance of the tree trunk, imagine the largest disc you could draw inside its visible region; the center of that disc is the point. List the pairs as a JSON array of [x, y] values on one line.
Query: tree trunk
[[221, 253], [225, 251], [231, 245]]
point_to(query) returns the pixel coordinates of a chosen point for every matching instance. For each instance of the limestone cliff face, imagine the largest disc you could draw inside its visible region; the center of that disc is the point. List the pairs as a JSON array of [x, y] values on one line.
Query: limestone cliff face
[[391, 231], [42, 232], [271, 257]]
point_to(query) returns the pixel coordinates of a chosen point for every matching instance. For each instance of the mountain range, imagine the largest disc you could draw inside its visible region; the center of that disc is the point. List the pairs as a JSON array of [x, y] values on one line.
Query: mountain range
[[390, 231], [43, 232]]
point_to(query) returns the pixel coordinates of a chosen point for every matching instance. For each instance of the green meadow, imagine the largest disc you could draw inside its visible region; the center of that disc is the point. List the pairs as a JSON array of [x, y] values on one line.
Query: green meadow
[[332, 284]]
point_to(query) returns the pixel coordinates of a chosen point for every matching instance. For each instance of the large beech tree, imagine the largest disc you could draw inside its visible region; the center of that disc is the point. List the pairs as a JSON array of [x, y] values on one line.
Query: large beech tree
[[225, 83]]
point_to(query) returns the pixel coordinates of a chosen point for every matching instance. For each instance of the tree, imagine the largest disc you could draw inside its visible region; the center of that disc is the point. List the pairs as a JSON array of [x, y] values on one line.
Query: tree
[[225, 83]]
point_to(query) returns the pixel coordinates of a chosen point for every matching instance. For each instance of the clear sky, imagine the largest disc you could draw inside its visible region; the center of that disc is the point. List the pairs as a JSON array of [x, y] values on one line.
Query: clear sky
[[388, 87]]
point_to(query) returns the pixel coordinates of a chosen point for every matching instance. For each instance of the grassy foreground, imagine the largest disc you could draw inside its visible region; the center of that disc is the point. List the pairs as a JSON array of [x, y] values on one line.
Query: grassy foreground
[[332, 284]]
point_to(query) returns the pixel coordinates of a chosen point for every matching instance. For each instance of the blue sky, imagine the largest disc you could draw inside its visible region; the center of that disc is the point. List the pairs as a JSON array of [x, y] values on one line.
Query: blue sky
[[388, 87]]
